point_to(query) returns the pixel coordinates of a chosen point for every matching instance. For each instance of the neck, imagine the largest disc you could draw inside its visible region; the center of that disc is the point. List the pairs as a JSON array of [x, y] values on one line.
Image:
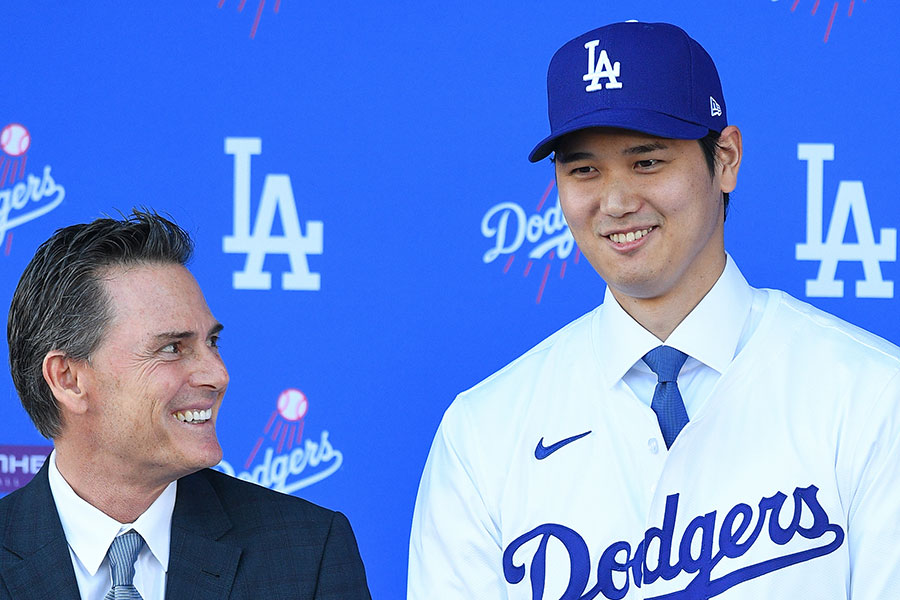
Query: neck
[[661, 314], [109, 488]]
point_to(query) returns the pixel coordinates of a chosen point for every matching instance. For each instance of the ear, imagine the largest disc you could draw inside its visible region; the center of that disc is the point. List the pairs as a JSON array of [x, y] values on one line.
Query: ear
[[65, 377], [728, 155]]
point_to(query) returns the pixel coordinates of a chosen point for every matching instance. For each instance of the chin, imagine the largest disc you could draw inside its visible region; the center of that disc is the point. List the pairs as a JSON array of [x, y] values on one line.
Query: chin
[[196, 459], [634, 287], [213, 457]]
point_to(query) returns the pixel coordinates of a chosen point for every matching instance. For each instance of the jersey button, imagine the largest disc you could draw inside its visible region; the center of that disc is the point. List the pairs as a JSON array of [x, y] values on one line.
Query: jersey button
[[653, 445]]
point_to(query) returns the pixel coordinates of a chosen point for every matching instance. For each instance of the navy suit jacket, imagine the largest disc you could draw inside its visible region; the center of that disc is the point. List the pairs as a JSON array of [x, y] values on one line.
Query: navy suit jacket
[[230, 539]]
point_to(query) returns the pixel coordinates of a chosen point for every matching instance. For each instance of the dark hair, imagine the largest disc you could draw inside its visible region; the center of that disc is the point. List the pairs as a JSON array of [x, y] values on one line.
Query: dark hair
[[710, 146], [61, 303]]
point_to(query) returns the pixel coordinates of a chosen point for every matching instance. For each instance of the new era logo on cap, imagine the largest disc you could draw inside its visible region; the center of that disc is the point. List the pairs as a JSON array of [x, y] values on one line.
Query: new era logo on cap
[[647, 77]]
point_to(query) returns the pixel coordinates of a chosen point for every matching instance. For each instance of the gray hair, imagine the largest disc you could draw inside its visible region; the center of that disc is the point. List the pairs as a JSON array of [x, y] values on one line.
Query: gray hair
[[61, 303]]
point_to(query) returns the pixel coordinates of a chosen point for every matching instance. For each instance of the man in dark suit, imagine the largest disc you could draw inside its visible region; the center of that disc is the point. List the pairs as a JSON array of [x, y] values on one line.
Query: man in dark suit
[[113, 352]]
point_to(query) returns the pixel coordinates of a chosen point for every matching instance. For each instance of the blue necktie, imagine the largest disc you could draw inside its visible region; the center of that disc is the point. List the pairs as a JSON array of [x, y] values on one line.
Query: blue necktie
[[666, 362], [122, 553]]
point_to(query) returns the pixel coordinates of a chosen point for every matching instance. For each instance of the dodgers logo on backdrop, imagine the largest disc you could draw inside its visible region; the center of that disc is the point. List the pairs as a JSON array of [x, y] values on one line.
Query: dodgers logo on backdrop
[[545, 232], [259, 12], [600, 68], [709, 543], [23, 196], [814, 5], [850, 200], [277, 197], [282, 459]]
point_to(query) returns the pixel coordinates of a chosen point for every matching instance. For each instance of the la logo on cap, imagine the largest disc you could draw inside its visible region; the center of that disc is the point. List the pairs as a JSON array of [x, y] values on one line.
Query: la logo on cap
[[601, 68]]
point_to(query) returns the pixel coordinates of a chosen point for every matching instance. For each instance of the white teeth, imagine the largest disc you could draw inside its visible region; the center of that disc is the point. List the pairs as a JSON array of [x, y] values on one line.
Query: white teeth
[[621, 238], [194, 416]]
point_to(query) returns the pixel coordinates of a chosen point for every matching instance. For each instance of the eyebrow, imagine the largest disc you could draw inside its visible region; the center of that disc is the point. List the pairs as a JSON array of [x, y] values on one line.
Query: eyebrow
[[644, 148], [182, 335], [564, 158]]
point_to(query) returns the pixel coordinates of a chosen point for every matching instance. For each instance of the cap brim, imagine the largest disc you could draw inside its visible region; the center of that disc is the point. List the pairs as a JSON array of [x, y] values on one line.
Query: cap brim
[[644, 121]]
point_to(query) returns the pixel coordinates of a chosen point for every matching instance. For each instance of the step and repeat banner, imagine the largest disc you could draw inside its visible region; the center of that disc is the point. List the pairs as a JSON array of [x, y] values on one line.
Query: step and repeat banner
[[368, 226]]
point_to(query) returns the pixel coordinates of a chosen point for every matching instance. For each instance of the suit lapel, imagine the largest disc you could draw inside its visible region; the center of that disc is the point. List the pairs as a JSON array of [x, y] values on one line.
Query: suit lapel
[[36, 564], [200, 566]]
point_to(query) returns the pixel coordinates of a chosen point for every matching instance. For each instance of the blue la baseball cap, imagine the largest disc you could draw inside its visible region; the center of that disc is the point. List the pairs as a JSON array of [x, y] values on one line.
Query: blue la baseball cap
[[647, 77]]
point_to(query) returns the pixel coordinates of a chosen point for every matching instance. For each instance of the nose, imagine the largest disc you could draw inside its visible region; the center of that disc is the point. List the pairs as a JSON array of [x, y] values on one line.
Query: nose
[[210, 371], [617, 198]]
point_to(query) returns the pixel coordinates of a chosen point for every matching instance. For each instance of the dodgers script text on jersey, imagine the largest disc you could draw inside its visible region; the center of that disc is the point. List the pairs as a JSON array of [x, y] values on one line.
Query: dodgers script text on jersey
[[549, 480]]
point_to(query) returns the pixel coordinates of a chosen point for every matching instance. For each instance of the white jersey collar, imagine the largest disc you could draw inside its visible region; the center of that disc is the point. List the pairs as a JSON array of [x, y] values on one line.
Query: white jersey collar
[[709, 334]]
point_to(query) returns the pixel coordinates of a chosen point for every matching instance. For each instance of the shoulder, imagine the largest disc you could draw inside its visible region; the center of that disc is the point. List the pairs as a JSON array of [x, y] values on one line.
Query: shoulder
[[274, 531], [552, 357], [8, 506], [247, 502], [494, 411], [31, 496], [852, 372], [814, 331], [28, 513], [239, 495]]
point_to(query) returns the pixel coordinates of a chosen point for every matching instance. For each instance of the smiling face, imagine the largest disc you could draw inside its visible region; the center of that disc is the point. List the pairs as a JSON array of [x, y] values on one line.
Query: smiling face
[[645, 211], [158, 362]]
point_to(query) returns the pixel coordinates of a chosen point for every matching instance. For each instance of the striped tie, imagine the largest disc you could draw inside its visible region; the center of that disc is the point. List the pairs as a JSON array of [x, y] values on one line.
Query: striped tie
[[667, 403], [122, 554]]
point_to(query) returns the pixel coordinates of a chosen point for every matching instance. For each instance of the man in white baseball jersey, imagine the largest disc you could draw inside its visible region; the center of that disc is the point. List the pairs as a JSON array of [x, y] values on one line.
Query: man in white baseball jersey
[[690, 438]]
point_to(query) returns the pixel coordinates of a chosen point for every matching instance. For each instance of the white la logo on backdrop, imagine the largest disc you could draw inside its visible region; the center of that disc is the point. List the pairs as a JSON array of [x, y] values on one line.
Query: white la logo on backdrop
[[601, 68], [851, 199], [277, 195]]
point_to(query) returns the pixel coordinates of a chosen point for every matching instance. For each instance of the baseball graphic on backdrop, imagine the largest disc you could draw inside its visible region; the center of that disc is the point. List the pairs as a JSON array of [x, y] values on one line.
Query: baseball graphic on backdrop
[[15, 139], [292, 404]]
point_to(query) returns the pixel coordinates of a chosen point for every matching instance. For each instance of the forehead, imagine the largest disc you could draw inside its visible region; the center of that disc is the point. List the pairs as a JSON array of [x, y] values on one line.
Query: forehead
[[611, 139], [155, 297]]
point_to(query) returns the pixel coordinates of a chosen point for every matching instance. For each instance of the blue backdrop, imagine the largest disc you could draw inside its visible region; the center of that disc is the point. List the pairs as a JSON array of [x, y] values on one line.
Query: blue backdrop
[[364, 155]]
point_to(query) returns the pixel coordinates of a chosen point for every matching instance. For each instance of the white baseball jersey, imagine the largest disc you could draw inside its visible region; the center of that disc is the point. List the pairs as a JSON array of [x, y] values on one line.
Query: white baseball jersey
[[548, 481]]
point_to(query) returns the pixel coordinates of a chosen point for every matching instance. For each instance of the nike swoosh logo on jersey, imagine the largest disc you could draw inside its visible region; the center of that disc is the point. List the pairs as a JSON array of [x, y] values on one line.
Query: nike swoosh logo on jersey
[[541, 452]]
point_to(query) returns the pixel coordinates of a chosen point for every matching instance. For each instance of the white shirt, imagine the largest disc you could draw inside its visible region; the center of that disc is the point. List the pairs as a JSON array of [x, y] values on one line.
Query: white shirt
[[548, 478], [711, 335], [89, 533]]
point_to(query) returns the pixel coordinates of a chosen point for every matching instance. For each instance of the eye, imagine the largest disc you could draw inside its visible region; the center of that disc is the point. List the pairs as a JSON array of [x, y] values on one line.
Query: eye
[[584, 170], [173, 348], [647, 163], [213, 341]]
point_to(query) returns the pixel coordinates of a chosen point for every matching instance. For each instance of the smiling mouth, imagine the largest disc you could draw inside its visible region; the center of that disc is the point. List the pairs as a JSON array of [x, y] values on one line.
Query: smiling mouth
[[194, 416], [623, 238]]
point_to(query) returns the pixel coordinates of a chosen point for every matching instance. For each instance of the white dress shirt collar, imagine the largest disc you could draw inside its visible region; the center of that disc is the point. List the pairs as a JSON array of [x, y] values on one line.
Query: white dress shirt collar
[[89, 531], [710, 333]]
